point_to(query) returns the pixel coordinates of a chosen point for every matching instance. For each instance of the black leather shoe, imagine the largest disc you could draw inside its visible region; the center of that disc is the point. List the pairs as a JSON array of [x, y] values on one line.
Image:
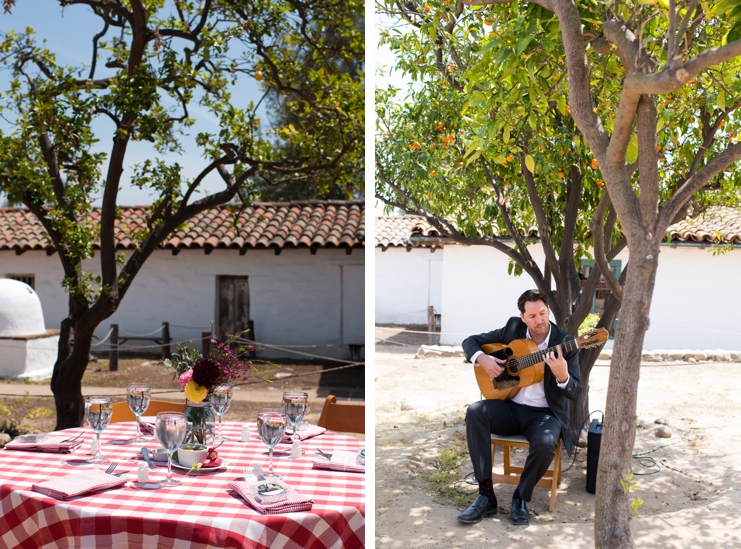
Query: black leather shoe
[[520, 514], [482, 507]]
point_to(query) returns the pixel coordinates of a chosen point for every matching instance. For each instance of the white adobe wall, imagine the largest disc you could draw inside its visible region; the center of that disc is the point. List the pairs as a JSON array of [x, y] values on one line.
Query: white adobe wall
[[295, 297], [694, 304], [403, 291], [478, 294]]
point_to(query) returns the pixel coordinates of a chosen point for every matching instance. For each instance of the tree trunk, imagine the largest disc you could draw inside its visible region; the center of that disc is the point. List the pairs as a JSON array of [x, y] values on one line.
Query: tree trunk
[[579, 408], [66, 382], [612, 501]]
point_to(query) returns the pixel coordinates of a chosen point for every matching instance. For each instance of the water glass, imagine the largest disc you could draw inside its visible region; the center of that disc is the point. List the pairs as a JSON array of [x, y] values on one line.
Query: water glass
[[98, 410], [295, 405], [170, 430], [220, 401], [138, 395], [271, 426]]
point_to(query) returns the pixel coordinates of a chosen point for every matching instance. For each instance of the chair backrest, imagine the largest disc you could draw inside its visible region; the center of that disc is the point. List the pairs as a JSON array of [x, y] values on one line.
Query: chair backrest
[[122, 412], [345, 418]]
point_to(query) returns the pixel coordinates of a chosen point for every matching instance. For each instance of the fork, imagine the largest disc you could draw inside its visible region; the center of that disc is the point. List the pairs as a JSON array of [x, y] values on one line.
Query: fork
[[74, 438], [249, 476], [111, 467], [327, 456]]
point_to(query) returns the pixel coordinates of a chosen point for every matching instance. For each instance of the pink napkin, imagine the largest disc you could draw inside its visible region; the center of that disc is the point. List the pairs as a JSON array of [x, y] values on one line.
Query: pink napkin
[[292, 503], [55, 443], [78, 483], [146, 427], [310, 431], [341, 461]]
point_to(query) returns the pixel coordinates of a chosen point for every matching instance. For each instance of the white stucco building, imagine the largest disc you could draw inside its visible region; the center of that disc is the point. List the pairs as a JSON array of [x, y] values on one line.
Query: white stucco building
[[296, 270], [694, 303], [27, 348]]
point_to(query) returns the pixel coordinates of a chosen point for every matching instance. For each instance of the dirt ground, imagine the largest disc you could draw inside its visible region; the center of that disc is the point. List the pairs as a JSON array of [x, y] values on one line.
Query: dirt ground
[[32, 414], [690, 497]]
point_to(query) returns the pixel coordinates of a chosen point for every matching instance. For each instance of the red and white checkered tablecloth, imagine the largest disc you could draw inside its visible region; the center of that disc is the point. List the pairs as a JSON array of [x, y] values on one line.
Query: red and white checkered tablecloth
[[202, 513]]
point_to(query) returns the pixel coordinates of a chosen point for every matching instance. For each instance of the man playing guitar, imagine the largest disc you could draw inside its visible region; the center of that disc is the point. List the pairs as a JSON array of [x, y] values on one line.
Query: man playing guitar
[[539, 411]]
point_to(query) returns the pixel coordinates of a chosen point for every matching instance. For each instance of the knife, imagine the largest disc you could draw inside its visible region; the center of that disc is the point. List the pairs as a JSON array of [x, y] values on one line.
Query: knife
[[145, 455]]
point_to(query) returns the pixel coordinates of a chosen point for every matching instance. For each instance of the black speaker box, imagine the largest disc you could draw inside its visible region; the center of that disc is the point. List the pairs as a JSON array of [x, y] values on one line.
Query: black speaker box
[[594, 439]]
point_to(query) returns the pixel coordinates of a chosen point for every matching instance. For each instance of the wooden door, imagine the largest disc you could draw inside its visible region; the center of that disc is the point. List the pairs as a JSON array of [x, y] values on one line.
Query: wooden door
[[233, 305]]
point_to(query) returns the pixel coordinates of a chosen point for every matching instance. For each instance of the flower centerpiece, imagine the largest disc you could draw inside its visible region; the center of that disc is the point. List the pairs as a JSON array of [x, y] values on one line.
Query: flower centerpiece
[[199, 376]]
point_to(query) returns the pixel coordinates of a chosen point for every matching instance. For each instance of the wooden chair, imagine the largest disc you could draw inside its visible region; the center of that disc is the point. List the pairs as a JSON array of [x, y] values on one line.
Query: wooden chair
[[122, 412], [345, 418], [551, 479]]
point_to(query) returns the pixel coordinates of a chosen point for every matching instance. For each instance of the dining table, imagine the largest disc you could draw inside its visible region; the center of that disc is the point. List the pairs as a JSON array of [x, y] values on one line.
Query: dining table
[[202, 513]]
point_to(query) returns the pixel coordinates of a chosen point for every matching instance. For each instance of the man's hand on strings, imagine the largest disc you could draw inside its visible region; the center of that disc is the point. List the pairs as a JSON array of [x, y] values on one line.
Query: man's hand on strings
[[557, 363], [491, 364]]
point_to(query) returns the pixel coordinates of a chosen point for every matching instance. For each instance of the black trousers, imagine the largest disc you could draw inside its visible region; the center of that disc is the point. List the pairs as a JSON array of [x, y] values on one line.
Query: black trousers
[[503, 417]]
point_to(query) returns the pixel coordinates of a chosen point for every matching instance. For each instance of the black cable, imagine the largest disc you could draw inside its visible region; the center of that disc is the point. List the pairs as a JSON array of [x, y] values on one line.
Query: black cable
[[580, 430]]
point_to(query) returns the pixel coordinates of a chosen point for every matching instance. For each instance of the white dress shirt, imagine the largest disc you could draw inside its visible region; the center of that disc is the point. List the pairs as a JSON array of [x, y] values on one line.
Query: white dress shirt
[[532, 395]]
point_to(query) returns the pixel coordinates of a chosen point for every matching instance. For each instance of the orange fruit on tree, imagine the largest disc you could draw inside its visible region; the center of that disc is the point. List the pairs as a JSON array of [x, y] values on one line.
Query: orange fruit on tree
[[568, 110], [560, 174], [600, 183], [427, 8], [415, 145], [595, 164], [433, 173], [510, 158]]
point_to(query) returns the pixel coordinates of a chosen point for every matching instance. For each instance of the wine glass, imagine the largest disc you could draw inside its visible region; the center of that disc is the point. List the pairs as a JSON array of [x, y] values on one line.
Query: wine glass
[[295, 405], [170, 429], [271, 426], [138, 394], [98, 410], [220, 401]]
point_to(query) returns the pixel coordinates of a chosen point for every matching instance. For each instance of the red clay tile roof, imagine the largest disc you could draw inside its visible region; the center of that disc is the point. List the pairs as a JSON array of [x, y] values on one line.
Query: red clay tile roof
[[278, 225], [717, 225], [396, 230]]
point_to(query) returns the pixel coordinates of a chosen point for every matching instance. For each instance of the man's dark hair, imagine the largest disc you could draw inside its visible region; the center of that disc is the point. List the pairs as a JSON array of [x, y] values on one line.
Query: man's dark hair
[[531, 295]]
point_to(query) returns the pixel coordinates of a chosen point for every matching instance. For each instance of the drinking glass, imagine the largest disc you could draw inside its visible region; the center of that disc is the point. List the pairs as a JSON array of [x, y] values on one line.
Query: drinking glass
[[98, 410], [271, 426], [138, 394], [295, 405], [170, 429], [220, 401]]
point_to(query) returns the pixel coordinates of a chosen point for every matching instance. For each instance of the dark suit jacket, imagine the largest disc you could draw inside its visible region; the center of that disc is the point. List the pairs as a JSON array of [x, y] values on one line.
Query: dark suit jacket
[[557, 398]]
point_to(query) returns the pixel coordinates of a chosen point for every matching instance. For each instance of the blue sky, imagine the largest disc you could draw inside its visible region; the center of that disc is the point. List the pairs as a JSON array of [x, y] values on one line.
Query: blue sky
[[69, 32]]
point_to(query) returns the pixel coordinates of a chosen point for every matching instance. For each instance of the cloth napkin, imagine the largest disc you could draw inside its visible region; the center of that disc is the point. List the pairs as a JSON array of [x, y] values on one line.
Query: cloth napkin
[[310, 431], [292, 503], [342, 460], [55, 443], [78, 483], [146, 426]]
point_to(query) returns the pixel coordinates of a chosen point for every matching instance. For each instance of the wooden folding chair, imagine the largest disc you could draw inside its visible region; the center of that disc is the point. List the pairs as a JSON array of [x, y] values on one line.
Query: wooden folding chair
[[551, 479], [344, 417], [122, 412]]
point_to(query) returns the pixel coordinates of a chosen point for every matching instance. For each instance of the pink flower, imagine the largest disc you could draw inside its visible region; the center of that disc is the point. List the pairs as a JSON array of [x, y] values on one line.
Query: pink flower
[[185, 378]]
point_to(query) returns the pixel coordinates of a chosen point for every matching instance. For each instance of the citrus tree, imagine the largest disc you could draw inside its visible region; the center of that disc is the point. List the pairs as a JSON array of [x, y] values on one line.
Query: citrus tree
[[638, 99], [151, 64]]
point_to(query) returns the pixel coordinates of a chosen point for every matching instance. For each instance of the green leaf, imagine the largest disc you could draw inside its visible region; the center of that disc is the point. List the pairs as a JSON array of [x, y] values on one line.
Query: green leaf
[[530, 163], [734, 34], [631, 155], [522, 44]]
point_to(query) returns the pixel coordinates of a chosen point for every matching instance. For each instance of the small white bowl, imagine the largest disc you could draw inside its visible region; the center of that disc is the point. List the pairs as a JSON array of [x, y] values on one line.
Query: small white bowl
[[188, 458], [159, 454]]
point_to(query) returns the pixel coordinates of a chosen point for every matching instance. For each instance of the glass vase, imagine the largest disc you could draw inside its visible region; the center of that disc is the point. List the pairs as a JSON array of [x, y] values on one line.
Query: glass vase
[[201, 422]]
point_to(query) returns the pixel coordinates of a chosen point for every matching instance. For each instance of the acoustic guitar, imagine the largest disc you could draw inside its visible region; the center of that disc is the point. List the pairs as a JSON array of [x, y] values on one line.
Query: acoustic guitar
[[525, 363]]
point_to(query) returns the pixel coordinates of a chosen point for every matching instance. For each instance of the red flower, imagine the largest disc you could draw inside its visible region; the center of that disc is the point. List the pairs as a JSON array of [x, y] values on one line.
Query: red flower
[[206, 373]]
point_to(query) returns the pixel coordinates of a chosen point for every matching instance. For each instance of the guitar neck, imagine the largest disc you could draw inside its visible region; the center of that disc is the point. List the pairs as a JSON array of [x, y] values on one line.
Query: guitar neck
[[535, 358]]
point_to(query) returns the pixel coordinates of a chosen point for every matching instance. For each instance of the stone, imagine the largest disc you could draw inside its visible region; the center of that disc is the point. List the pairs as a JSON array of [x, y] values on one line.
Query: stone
[[605, 355], [4, 439], [582, 442], [691, 359], [663, 431], [406, 405], [641, 423], [662, 421]]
